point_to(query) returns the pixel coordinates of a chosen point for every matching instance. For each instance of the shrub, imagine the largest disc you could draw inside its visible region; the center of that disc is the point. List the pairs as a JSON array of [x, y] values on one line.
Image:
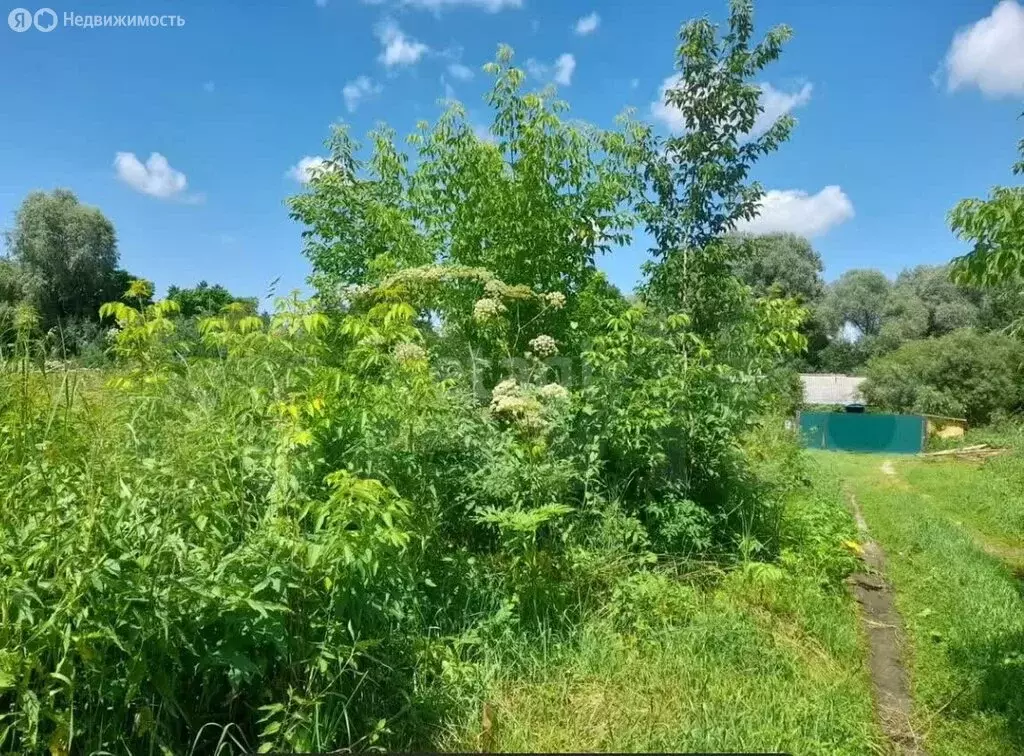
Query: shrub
[[963, 374]]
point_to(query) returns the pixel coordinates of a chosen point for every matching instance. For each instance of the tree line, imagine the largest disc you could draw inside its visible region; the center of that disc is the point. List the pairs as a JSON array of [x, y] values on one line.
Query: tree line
[[62, 263], [929, 341]]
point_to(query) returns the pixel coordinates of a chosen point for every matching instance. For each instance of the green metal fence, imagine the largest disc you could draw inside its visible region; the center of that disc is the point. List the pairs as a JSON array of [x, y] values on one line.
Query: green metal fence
[[893, 434]]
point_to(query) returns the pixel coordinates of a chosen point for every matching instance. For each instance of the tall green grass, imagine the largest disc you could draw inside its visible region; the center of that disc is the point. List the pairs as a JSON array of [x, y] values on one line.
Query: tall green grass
[[300, 537], [763, 657], [962, 603]]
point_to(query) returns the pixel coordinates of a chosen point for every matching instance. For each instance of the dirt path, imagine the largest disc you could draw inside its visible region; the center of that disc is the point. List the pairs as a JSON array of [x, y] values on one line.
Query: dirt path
[[882, 626]]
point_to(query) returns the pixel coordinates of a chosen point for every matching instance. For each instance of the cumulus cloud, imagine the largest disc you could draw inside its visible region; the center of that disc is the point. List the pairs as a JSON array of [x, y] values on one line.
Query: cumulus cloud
[[564, 68], [460, 72], [304, 170], [668, 115], [774, 102], [357, 89], [588, 24], [491, 6], [800, 213], [989, 54], [777, 104], [155, 177], [399, 50]]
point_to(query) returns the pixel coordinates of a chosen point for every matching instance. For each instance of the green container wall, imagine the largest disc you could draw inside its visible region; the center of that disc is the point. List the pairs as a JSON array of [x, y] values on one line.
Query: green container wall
[[891, 434]]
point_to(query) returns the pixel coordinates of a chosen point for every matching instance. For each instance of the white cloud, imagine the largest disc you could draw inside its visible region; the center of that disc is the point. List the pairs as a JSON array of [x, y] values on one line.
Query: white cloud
[[536, 69], [775, 103], [560, 71], [303, 170], [564, 68], [491, 6], [156, 177], [355, 90], [460, 72], [800, 213], [669, 115], [990, 53], [399, 50], [588, 24]]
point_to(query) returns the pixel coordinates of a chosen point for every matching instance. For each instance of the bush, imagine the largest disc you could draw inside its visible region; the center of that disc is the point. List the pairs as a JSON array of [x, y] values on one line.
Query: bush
[[963, 374]]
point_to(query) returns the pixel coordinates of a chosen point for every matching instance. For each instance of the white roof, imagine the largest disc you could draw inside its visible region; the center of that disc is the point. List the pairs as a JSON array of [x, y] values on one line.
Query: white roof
[[831, 388]]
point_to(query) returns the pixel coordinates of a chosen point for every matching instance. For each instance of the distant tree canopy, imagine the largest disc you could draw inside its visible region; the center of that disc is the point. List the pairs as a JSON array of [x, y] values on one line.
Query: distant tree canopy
[[857, 298], [864, 314], [205, 299], [962, 374], [62, 262], [62, 258], [781, 265]]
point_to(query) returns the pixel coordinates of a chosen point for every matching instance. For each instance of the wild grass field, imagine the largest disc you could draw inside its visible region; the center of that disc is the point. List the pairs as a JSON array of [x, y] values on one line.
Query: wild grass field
[[468, 495], [338, 524], [762, 657]]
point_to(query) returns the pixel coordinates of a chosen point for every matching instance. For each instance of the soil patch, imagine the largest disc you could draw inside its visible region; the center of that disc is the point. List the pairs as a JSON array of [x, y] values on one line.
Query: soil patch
[[883, 628]]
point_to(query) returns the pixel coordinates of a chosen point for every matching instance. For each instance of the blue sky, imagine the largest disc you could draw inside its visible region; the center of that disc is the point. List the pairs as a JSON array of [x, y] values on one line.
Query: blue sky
[[903, 108]]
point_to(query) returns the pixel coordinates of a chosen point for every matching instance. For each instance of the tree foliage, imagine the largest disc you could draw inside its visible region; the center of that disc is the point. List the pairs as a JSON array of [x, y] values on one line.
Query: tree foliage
[[995, 230], [66, 256], [699, 178], [780, 265], [857, 298], [962, 374], [205, 300], [534, 206]]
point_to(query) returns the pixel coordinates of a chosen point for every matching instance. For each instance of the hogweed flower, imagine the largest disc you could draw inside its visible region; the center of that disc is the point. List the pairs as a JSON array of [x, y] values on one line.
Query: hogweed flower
[[543, 346], [554, 392], [554, 299], [487, 309], [409, 352]]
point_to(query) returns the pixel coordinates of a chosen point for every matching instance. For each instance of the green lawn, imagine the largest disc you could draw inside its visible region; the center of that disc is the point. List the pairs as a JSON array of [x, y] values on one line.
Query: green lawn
[[953, 533]]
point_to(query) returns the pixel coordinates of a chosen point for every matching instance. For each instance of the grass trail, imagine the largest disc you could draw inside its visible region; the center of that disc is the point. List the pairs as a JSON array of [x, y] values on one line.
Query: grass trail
[[951, 532]]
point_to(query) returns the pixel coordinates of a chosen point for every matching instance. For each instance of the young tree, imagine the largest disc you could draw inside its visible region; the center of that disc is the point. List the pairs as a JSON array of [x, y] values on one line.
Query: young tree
[[533, 207], [700, 177]]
